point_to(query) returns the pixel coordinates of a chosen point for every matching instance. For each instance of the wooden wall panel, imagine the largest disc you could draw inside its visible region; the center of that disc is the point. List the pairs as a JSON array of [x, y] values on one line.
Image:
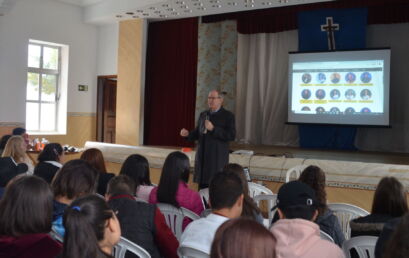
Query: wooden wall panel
[[129, 88]]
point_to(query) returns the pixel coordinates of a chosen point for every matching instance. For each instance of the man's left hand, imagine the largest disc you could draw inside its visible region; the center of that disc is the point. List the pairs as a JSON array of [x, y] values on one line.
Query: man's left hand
[[209, 126]]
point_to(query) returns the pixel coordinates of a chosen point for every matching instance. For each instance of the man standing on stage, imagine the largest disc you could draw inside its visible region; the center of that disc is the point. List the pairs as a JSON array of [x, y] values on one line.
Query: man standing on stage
[[215, 129]]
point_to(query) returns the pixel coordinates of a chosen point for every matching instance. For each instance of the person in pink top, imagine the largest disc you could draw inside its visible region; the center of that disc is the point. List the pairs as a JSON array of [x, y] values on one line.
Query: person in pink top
[[296, 233], [173, 188], [137, 168]]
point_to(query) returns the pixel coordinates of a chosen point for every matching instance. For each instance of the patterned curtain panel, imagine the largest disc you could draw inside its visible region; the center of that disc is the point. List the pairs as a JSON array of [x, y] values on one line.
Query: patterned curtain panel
[[217, 63]]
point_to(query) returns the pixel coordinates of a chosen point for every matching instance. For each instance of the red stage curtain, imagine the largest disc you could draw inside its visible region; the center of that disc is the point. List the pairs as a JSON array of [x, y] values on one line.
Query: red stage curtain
[[170, 88], [285, 18]]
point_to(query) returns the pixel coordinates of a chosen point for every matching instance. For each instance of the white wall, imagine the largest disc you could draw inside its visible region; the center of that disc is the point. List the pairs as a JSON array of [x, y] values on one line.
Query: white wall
[[47, 21], [108, 49]]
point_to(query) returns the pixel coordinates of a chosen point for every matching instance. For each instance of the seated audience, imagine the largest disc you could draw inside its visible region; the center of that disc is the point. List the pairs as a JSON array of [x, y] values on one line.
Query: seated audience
[[3, 142], [49, 161], [226, 199], [92, 229], [250, 209], [387, 231], [141, 223], [9, 169], [96, 159], [173, 188], [16, 151], [25, 219], [23, 133], [389, 202], [75, 179], [326, 220], [296, 233], [243, 237], [397, 245], [137, 168]]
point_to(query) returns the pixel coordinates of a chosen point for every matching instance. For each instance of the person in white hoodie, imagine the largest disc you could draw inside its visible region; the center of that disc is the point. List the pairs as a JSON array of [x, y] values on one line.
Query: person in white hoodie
[[296, 233]]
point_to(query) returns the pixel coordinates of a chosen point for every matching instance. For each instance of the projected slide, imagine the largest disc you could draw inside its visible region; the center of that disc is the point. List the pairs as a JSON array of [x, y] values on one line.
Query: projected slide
[[339, 88]]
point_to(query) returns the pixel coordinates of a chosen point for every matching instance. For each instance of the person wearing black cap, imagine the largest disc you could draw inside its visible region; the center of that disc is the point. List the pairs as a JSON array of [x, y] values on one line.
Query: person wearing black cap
[[296, 233]]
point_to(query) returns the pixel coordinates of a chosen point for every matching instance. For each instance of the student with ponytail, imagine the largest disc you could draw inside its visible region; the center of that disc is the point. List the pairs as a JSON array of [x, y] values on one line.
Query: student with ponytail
[[91, 229]]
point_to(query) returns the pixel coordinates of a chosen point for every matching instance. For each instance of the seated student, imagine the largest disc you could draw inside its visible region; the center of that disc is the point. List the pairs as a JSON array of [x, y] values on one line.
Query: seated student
[[3, 142], [75, 179], [173, 188], [226, 199], [296, 233], [49, 162], [96, 159], [389, 202], [388, 229], [92, 229], [250, 209], [314, 177], [137, 168], [16, 151], [141, 223], [25, 219], [243, 237], [397, 244], [23, 133]]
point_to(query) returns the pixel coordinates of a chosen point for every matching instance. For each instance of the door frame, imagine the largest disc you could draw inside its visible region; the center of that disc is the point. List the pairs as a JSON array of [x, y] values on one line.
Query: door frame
[[100, 103]]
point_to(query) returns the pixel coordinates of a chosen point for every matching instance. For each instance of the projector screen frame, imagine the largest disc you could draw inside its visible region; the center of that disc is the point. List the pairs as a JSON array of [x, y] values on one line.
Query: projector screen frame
[[386, 103]]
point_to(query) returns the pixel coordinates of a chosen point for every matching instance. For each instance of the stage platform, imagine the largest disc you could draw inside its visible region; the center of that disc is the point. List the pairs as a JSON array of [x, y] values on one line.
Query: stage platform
[[321, 154]]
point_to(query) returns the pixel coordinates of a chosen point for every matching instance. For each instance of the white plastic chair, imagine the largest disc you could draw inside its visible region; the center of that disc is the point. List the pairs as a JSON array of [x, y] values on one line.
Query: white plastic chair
[[174, 217], [345, 213], [124, 246], [271, 202], [297, 170], [363, 245], [257, 189], [204, 195], [325, 236], [189, 252]]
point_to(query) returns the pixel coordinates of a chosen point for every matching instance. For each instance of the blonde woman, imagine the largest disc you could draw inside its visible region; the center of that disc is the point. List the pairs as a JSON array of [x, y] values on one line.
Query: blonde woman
[[16, 150]]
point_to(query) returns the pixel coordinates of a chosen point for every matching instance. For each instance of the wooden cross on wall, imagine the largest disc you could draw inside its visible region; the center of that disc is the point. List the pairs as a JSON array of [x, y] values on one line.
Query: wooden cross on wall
[[330, 27]]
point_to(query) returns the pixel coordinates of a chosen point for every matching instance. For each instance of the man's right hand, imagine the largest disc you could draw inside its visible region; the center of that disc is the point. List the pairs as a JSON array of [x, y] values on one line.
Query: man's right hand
[[184, 132]]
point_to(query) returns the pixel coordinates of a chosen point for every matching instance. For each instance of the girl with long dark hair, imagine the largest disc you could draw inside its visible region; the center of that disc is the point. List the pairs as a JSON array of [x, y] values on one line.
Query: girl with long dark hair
[[173, 188]]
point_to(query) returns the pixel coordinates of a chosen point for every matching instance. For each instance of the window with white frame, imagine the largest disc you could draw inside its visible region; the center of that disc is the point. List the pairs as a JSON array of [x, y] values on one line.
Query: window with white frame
[[45, 89]]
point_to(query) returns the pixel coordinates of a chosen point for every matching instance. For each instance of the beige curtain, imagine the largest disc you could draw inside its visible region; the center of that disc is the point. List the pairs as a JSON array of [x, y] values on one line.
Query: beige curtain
[[261, 94]]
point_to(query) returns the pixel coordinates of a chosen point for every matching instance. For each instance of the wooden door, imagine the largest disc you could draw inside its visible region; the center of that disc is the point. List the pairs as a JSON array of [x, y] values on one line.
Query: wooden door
[[106, 109]]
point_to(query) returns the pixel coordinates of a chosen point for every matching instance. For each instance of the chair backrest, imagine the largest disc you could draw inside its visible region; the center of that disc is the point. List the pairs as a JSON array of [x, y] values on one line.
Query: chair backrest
[[124, 246], [345, 213], [189, 252], [174, 217], [271, 202], [297, 170], [257, 189], [363, 245], [204, 195], [325, 236]]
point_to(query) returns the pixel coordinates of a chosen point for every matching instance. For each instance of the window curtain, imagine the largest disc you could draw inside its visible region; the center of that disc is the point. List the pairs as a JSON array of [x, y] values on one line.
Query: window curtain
[[261, 103], [217, 63], [170, 87]]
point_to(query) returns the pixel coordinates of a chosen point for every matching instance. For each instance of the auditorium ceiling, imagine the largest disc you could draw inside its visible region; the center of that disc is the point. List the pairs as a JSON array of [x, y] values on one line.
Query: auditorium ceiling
[[107, 11]]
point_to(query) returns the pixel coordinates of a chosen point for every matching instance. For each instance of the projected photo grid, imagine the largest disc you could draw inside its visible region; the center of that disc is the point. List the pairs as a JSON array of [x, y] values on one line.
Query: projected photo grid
[[342, 91]]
